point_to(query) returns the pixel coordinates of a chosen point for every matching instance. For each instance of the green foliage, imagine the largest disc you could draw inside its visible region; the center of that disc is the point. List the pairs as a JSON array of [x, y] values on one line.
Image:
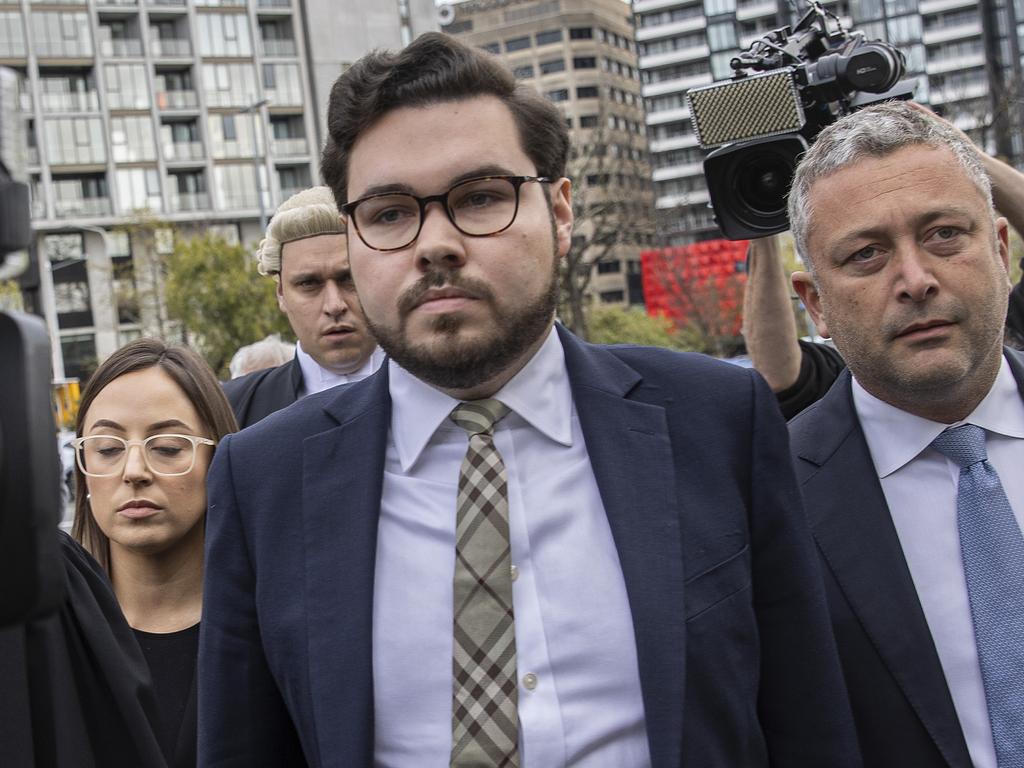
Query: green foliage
[[214, 290], [618, 325], [10, 296]]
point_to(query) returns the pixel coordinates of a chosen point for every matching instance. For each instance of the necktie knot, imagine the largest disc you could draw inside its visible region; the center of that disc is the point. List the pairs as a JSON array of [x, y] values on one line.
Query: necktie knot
[[478, 417], [964, 445]]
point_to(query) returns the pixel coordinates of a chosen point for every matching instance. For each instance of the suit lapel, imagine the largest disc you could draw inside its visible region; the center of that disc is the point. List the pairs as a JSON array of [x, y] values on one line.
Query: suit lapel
[[631, 455], [343, 470], [854, 531]]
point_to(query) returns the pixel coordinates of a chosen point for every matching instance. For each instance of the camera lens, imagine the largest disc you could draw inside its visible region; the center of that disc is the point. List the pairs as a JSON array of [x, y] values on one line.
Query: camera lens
[[762, 184]]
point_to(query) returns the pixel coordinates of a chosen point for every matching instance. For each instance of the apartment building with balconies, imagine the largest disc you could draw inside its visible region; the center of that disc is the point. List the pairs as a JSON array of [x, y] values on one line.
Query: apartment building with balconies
[[194, 114]]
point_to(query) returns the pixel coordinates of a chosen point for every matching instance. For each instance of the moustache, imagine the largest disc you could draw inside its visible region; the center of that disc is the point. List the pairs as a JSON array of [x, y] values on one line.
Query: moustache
[[413, 296]]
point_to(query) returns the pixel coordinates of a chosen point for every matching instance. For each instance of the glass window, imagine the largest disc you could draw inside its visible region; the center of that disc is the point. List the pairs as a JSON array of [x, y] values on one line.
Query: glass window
[[517, 44], [561, 94], [722, 37], [549, 36], [589, 121], [554, 65], [587, 92], [224, 34], [581, 33], [584, 62], [131, 139], [491, 47], [716, 7], [523, 72]]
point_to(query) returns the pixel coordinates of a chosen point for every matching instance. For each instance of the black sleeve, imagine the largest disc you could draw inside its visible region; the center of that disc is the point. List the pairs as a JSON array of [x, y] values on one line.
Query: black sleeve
[[1015, 314], [820, 365]]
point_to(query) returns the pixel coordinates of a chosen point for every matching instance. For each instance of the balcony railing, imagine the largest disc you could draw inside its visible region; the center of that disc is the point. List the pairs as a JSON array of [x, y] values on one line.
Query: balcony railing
[[116, 100], [233, 149], [273, 3], [32, 155], [189, 201], [290, 147], [177, 100], [183, 150], [13, 49], [278, 47], [230, 98], [63, 49], [170, 46], [167, 3], [82, 206], [87, 101], [284, 97], [119, 48], [38, 208], [287, 192], [130, 3]]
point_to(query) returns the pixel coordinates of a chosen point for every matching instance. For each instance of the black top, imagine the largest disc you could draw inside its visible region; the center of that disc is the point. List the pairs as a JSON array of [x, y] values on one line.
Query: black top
[[820, 365], [259, 394], [74, 687], [172, 663]]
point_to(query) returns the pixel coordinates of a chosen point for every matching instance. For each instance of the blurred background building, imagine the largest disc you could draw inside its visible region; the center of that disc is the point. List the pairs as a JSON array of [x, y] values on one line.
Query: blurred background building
[[581, 55], [145, 113]]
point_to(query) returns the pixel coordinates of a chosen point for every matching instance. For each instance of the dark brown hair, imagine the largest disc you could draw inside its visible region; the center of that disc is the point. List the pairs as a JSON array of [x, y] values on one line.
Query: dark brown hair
[[435, 68], [195, 378]]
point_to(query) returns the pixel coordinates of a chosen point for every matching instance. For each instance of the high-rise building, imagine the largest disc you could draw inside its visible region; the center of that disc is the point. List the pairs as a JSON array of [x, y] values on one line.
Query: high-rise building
[[580, 54], [965, 57], [194, 113]]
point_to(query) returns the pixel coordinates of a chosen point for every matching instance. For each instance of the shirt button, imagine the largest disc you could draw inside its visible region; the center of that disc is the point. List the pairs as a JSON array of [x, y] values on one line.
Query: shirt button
[[530, 681], [515, 573]]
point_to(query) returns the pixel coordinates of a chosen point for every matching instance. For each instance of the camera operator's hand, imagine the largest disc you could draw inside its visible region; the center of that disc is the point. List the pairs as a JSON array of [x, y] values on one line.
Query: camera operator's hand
[[769, 325]]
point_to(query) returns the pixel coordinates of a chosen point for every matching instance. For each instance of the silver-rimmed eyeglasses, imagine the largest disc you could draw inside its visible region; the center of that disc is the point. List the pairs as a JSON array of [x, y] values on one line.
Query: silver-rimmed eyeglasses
[[166, 455], [390, 221]]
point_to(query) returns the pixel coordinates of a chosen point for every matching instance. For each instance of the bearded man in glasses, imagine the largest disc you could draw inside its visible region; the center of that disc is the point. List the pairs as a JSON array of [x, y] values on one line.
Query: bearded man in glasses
[[508, 547]]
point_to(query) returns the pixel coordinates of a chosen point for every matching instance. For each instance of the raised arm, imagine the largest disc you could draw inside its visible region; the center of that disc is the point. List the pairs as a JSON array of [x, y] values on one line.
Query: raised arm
[[769, 325]]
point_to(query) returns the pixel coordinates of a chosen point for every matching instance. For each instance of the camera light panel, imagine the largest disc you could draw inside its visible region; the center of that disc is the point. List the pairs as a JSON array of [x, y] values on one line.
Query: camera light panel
[[766, 104]]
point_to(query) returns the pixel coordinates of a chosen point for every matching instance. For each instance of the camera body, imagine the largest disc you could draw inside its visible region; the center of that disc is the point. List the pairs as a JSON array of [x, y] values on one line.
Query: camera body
[[787, 87]]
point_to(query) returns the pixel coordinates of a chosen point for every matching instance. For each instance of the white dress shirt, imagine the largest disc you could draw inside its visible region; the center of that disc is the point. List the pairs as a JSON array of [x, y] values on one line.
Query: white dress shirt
[[920, 487], [580, 702], [316, 378]]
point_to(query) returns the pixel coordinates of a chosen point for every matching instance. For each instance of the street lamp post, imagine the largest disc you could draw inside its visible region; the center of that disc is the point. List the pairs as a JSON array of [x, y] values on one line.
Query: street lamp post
[[257, 125], [50, 296]]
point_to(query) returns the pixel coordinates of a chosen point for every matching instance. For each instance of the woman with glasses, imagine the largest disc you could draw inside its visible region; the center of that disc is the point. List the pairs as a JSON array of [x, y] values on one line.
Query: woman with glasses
[[148, 422]]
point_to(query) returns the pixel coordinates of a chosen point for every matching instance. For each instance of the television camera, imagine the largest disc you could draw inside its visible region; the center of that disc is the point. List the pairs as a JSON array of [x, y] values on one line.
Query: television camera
[[786, 87]]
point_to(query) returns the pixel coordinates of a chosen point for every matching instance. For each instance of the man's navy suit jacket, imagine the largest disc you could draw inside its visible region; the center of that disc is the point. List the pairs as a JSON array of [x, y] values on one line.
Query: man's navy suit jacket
[[259, 394], [902, 707], [737, 664]]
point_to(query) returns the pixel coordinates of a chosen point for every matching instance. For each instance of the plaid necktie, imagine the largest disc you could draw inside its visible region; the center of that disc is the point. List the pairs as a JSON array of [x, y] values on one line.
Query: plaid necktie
[[485, 723], [993, 553]]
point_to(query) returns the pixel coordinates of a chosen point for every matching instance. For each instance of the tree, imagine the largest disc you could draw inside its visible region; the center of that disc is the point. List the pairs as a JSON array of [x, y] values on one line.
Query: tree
[[705, 299], [631, 325], [213, 288], [612, 206]]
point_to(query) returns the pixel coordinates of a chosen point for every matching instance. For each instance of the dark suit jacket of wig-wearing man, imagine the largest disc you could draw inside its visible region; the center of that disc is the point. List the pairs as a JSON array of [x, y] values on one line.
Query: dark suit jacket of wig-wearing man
[[736, 662], [901, 703], [258, 394]]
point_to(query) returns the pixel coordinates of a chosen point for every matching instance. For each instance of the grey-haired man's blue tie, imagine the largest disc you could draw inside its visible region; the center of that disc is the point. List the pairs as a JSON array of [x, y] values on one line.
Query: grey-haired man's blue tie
[[993, 551]]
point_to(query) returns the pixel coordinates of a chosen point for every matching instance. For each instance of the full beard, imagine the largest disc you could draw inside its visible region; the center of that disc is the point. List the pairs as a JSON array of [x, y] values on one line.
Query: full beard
[[448, 362]]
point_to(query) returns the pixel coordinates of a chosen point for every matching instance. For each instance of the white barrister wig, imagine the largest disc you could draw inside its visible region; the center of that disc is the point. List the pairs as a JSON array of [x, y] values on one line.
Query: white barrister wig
[[309, 213]]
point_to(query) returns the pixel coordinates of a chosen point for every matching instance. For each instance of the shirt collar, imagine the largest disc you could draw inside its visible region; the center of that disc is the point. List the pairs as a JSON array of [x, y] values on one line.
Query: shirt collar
[[539, 394], [896, 437], [316, 378]]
